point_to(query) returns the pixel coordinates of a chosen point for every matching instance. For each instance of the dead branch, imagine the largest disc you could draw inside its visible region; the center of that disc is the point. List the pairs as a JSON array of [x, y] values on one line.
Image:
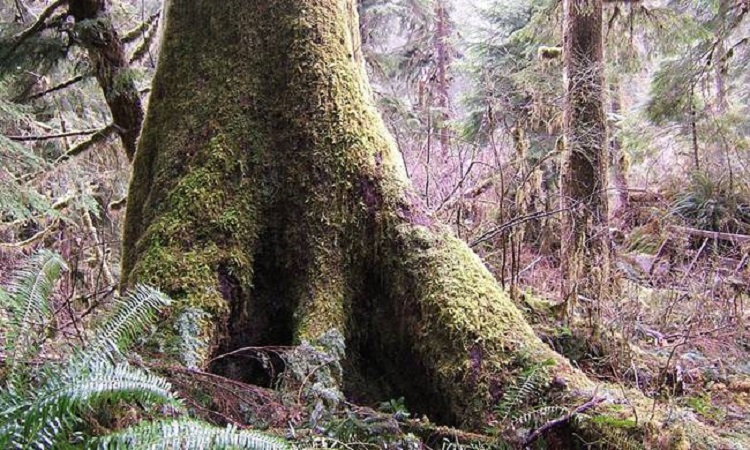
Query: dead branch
[[95, 138], [35, 238], [119, 204], [45, 137], [534, 435], [145, 47], [58, 87], [731, 237], [101, 255], [138, 31]]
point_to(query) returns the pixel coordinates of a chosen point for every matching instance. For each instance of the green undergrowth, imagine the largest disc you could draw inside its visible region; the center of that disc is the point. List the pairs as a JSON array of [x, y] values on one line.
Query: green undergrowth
[[93, 396]]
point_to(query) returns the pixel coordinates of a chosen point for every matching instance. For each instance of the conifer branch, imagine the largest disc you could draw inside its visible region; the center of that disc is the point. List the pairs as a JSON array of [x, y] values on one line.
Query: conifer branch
[[20, 38]]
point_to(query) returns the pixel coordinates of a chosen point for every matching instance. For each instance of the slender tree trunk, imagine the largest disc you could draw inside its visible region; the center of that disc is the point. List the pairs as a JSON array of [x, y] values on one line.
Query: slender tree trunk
[[112, 68], [720, 61], [585, 243], [267, 193], [618, 160], [443, 51], [694, 130]]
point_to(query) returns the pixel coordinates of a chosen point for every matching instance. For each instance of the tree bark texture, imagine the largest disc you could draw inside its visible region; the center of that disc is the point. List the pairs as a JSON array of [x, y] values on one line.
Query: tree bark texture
[[585, 246], [267, 192], [98, 35]]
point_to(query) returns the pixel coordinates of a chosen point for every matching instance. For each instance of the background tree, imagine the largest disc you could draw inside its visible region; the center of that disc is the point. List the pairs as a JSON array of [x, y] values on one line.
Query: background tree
[[585, 240], [98, 35]]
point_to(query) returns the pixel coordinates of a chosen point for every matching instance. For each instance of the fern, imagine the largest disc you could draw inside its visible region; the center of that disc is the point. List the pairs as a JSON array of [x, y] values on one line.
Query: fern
[[615, 439], [26, 305], [46, 408], [47, 414], [132, 315], [531, 383], [188, 434], [540, 416]]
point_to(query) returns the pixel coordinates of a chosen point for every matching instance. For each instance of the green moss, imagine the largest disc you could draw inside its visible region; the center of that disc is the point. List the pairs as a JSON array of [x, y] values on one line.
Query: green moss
[[614, 422], [703, 405], [466, 331]]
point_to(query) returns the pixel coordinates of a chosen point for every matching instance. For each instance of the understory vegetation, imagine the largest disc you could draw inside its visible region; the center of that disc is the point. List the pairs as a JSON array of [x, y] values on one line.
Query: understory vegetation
[[473, 94]]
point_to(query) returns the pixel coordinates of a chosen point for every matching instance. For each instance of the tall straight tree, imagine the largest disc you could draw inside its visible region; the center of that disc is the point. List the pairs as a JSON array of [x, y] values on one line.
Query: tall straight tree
[[443, 49], [585, 242], [267, 193]]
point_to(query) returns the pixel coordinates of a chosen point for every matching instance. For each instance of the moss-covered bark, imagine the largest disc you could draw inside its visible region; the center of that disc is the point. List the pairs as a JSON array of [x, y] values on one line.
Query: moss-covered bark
[[585, 258], [267, 192], [111, 67]]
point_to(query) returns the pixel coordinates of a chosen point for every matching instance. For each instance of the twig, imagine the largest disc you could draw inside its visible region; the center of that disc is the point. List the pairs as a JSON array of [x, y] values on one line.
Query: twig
[[58, 87], [595, 400], [692, 263], [44, 137], [741, 263], [530, 266], [33, 238], [270, 349], [512, 223]]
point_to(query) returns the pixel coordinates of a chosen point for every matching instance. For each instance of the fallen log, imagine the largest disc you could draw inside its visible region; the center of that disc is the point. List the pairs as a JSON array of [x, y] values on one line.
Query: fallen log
[[731, 237]]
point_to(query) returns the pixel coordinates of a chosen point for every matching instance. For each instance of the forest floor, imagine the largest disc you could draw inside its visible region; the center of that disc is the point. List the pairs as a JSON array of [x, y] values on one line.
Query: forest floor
[[677, 331]]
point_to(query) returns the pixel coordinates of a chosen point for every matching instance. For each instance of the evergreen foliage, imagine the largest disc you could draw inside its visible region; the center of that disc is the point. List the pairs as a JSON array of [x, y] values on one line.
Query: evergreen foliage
[[530, 384], [46, 404], [188, 434]]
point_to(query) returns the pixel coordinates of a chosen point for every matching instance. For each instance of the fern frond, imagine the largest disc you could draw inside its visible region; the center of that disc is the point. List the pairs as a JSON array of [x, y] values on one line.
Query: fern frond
[[530, 385], [26, 304], [615, 439], [56, 407], [132, 315], [188, 434], [540, 415]]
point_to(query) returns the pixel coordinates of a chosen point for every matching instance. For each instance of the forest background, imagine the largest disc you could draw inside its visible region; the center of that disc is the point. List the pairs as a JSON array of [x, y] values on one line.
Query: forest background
[[474, 96]]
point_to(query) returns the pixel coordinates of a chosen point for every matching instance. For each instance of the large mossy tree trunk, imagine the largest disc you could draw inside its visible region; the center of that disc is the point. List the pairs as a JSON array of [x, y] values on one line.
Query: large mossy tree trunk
[[585, 243], [267, 193]]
